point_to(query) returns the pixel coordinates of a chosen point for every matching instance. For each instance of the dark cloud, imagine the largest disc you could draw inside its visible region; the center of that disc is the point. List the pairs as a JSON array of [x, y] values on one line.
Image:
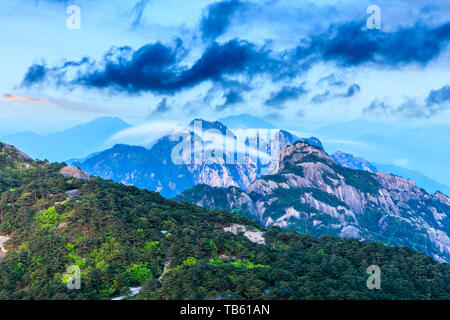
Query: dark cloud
[[409, 109], [278, 99], [138, 11], [328, 95], [351, 44], [160, 68], [161, 108], [231, 98], [378, 106], [274, 116], [437, 97], [351, 91], [157, 68], [216, 19], [331, 80], [321, 98], [35, 74]]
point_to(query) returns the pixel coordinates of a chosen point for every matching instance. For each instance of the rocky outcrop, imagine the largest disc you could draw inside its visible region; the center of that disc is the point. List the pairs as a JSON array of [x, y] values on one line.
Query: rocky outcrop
[[253, 236], [22, 155], [74, 172], [3, 251]]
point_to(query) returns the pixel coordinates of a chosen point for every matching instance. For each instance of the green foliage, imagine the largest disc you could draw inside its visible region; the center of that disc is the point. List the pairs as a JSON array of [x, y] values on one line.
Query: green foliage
[[361, 180], [282, 199], [152, 245], [219, 195], [138, 274], [48, 217], [294, 169], [216, 262], [247, 264], [190, 261], [371, 218], [325, 197], [278, 178]]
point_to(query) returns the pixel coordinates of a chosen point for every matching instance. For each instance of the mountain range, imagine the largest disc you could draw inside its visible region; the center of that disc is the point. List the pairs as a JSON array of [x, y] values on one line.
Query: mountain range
[[153, 168], [405, 145], [118, 237], [312, 194], [77, 142], [339, 195], [350, 161]]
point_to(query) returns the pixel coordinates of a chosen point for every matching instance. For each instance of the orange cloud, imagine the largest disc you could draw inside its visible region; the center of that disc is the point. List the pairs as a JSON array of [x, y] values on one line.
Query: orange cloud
[[10, 97]]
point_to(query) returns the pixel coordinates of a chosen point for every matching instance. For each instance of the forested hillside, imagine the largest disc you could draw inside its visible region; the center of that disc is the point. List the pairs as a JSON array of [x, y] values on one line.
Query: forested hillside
[[122, 237]]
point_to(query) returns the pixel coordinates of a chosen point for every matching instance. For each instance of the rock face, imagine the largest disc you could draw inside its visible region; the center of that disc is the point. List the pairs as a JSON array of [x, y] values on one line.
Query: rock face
[[3, 251], [74, 172], [253, 236], [310, 193]]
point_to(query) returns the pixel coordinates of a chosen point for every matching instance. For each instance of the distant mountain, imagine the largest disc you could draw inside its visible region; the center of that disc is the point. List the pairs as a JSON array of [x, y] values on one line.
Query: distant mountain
[[209, 125], [421, 180], [311, 194], [420, 148], [350, 161], [141, 167], [76, 142], [246, 121]]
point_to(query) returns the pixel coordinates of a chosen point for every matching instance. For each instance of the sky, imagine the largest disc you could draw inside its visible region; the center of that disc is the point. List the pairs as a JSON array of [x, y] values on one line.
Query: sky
[[303, 65]]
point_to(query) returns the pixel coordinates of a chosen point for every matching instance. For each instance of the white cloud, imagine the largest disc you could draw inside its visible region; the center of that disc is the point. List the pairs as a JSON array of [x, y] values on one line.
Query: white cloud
[[147, 133]]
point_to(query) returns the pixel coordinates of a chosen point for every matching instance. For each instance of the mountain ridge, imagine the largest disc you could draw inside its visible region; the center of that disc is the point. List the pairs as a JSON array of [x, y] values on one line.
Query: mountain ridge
[[154, 169], [75, 142], [311, 193], [350, 161]]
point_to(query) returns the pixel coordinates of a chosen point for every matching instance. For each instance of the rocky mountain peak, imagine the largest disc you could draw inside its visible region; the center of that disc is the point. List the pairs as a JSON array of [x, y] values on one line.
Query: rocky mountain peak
[[285, 134], [11, 149], [208, 125], [439, 196], [310, 193], [74, 172], [301, 152]]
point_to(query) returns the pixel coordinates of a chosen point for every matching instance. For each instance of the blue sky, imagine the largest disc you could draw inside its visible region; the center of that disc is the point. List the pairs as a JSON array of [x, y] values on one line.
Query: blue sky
[[300, 64]]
